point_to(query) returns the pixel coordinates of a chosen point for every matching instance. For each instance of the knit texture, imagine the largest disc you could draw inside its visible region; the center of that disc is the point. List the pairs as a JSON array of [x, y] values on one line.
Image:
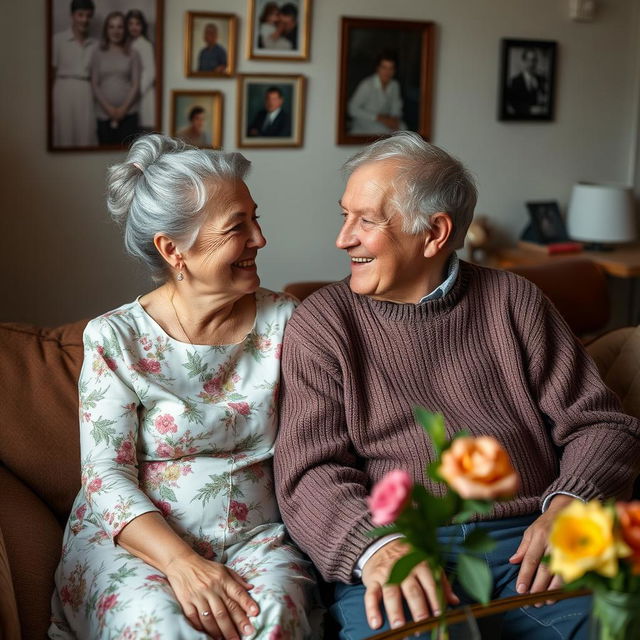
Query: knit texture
[[494, 356]]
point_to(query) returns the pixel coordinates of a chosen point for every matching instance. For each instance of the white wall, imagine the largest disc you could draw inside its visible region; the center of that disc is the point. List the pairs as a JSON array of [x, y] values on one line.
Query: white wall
[[62, 259]]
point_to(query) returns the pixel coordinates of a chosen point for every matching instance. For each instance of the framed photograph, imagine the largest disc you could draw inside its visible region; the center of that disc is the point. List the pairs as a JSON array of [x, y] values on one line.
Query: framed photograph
[[385, 84], [270, 110], [547, 225], [210, 45], [104, 72], [196, 117], [279, 30], [527, 80]]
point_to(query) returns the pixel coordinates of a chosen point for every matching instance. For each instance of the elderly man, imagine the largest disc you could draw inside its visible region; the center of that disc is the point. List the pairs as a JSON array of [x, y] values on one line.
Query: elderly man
[[413, 325]]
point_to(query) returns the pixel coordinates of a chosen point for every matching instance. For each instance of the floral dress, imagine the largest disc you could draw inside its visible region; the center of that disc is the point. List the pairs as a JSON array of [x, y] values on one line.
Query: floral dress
[[188, 431]]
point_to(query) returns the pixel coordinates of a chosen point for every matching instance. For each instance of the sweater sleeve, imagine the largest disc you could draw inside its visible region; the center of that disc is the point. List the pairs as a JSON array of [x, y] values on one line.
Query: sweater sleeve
[[320, 490], [109, 432], [599, 445]]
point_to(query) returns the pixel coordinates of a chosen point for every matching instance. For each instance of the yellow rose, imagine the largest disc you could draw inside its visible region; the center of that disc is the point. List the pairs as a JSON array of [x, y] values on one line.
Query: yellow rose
[[479, 469], [172, 473], [583, 539]]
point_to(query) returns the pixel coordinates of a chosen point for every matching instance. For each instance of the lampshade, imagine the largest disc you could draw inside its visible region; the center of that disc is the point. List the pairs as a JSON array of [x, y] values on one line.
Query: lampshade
[[601, 213]]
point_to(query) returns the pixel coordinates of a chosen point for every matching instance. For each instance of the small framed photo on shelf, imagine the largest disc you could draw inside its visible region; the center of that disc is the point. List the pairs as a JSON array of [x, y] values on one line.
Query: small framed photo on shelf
[[547, 225], [385, 84], [270, 110], [85, 110], [196, 118], [210, 44], [527, 80], [279, 30]]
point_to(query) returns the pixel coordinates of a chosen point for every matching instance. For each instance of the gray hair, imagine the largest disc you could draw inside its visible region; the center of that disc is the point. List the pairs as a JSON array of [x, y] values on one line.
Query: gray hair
[[428, 181], [162, 188]]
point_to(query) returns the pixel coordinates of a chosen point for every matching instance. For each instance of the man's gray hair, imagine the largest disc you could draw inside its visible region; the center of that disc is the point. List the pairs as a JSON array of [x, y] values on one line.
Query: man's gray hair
[[163, 187], [428, 180]]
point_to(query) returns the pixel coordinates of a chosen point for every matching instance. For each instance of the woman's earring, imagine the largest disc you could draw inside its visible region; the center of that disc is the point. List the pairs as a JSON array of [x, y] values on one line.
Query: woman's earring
[[180, 276]]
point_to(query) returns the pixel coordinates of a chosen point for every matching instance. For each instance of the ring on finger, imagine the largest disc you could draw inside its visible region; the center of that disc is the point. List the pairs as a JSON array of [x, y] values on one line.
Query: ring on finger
[[206, 613]]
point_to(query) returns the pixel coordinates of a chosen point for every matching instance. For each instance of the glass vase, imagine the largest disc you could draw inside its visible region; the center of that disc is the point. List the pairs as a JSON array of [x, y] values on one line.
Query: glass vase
[[615, 616]]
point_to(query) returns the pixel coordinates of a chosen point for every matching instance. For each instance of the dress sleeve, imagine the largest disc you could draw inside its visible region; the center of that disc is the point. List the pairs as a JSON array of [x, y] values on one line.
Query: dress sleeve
[[360, 104], [320, 491], [600, 445], [109, 432]]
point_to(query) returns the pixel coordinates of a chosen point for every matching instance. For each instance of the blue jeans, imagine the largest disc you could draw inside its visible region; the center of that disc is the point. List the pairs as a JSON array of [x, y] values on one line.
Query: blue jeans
[[564, 620]]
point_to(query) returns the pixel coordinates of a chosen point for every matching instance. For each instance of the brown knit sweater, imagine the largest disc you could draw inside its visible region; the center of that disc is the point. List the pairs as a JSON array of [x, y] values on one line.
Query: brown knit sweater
[[493, 355]]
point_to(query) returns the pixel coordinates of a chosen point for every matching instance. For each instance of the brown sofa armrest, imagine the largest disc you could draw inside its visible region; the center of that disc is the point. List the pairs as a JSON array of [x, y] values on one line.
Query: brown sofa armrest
[[9, 624], [33, 541]]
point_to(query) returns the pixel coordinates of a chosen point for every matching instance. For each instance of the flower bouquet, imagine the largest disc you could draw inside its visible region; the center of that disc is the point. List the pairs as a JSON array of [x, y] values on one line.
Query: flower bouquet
[[597, 546], [474, 472]]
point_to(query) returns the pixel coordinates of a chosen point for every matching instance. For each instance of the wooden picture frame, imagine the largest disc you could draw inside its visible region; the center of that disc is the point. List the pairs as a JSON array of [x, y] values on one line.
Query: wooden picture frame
[[197, 117], [527, 80], [219, 32], [261, 94], [83, 114], [370, 47], [279, 30]]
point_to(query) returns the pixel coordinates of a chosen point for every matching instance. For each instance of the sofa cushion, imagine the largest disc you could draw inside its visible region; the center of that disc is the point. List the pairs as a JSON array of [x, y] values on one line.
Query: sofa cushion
[[39, 370]]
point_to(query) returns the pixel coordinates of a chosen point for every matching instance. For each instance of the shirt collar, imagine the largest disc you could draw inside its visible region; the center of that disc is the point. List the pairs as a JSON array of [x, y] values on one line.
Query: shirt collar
[[444, 287]]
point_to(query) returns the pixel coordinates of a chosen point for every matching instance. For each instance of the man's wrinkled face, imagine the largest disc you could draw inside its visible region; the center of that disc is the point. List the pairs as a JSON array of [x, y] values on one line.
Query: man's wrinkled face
[[272, 101]]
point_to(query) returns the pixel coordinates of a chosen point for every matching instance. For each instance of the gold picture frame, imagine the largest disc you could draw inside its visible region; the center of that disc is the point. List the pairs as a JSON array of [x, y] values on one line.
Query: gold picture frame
[[206, 62], [270, 110], [284, 37], [197, 117]]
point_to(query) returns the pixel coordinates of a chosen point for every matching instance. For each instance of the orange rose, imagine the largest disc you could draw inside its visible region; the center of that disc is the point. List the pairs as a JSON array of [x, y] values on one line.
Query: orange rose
[[629, 517], [479, 469]]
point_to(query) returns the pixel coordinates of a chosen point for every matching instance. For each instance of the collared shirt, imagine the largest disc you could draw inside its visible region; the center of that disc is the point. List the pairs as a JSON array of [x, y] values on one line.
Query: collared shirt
[[271, 116], [211, 58], [444, 287], [72, 58]]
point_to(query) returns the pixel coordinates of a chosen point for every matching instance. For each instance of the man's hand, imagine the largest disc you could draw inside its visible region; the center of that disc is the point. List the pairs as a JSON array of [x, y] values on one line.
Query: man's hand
[[418, 588], [534, 576]]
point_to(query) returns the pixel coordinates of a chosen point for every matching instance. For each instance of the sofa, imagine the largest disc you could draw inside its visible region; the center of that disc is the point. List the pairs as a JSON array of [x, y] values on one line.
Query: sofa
[[39, 455]]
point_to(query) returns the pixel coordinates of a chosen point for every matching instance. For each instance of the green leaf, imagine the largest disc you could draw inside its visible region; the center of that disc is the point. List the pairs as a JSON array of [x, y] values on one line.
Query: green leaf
[[433, 471], [470, 508], [167, 493], [475, 577], [433, 510], [383, 531], [433, 424], [402, 567], [479, 541]]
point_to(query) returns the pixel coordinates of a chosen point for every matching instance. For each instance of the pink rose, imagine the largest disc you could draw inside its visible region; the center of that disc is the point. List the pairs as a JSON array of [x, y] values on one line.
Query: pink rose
[[389, 497], [111, 363], [146, 365], [276, 633], [94, 485], [239, 510], [126, 453], [65, 595], [205, 549], [165, 423], [80, 511], [156, 577], [105, 603], [278, 352], [240, 407], [164, 506], [213, 386], [163, 450]]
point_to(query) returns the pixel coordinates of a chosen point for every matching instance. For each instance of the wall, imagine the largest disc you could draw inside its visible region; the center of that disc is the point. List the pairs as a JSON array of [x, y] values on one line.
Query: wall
[[63, 258]]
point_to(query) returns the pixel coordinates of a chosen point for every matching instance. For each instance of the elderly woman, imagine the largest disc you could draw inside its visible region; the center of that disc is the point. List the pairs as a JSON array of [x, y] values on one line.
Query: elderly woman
[[414, 325], [175, 532]]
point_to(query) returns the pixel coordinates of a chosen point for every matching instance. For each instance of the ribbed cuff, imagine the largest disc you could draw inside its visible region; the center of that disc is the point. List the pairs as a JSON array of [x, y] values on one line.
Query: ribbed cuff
[[574, 486]]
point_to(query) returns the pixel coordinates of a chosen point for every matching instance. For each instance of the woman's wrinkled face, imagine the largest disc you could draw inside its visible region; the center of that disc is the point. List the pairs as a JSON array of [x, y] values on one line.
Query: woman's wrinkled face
[[223, 257], [115, 30], [134, 27]]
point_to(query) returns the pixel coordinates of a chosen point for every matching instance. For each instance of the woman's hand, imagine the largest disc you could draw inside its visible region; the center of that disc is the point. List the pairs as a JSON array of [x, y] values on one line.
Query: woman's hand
[[213, 597]]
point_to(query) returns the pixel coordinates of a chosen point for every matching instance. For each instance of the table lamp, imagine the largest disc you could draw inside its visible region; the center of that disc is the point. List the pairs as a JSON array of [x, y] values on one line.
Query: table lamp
[[601, 215]]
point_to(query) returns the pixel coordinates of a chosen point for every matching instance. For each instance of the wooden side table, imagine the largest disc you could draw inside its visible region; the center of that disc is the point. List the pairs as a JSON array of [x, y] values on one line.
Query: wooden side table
[[623, 262]]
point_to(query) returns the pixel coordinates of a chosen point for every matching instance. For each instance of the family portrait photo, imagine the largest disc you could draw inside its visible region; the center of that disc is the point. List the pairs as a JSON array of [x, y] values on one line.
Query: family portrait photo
[[210, 44], [104, 75], [271, 110], [279, 30], [385, 78], [527, 76], [196, 118]]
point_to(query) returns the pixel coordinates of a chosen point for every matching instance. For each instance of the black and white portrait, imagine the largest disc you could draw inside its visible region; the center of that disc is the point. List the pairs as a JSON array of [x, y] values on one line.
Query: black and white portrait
[[527, 80]]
